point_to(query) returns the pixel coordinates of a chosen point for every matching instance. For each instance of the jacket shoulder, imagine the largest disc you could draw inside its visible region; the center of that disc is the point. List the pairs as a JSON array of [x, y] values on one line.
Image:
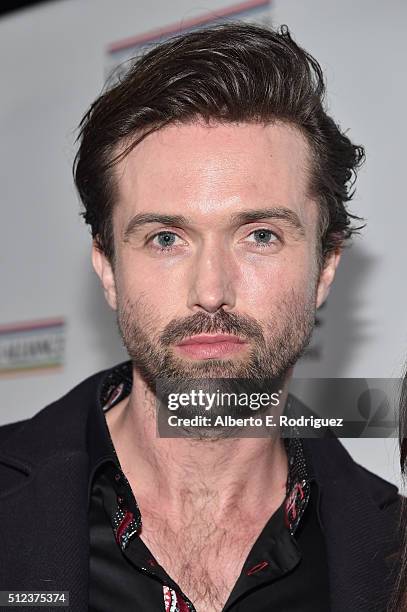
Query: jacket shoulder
[[66, 418], [334, 468], [383, 492], [9, 428]]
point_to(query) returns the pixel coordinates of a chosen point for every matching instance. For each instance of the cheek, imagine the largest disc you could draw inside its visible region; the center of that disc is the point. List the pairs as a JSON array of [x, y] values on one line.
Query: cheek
[[264, 285], [156, 294]]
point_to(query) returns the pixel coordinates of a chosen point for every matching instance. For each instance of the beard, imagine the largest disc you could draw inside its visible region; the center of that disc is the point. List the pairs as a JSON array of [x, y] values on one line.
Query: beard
[[273, 352], [275, 345]]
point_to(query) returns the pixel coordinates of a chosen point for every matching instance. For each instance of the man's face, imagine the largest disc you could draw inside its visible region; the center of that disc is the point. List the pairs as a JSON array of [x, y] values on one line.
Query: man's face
[[216, 241]]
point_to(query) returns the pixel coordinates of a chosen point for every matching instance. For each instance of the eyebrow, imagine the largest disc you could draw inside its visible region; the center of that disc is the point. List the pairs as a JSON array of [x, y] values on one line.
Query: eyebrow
[[275, 212], [144, 218], [245, 216]]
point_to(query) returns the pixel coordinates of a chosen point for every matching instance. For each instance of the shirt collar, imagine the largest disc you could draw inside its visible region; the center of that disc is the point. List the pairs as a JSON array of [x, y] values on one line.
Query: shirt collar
[[115, 386]]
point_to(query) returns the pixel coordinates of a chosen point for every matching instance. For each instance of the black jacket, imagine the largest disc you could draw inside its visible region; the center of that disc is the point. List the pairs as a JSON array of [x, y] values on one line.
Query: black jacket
[[44, 535]]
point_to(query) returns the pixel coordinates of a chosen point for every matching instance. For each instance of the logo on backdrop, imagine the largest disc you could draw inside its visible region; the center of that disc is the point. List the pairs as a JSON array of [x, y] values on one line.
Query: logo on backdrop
[[32, 346]]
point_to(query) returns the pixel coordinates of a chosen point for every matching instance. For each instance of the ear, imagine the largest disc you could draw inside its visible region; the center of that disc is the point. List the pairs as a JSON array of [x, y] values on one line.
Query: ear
[[104, 271], [327, 276]]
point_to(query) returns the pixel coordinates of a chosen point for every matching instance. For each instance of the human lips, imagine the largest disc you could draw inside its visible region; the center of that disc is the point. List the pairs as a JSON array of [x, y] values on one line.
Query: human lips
[[206, 346]]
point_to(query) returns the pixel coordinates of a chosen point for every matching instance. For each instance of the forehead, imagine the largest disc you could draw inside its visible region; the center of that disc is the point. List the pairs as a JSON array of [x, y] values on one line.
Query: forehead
[[210, 171]]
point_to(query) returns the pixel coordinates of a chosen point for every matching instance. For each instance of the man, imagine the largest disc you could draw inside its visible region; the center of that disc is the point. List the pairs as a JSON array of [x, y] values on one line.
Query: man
[[214, 183]]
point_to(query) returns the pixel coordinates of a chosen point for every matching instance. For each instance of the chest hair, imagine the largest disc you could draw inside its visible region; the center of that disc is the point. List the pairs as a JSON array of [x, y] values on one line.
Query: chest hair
[[204, 558]]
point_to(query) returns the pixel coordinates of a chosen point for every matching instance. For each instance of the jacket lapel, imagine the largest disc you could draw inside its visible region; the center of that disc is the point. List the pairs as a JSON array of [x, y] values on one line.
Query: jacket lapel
[[44, 530], [44, 470]]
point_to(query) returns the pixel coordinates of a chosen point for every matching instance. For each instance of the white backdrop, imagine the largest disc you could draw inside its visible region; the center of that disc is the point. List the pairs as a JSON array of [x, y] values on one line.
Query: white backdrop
[[52, 65]]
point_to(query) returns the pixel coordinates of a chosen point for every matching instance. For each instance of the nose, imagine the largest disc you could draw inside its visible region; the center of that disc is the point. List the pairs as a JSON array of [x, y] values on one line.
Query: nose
[[212, 280]]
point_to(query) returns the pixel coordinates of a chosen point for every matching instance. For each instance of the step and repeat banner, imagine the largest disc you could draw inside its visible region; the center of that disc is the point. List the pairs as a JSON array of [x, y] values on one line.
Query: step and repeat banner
[[55, 327]]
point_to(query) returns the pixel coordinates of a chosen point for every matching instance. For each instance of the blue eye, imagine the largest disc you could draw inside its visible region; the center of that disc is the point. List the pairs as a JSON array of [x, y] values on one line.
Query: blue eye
[[165, 239], [263, 237]]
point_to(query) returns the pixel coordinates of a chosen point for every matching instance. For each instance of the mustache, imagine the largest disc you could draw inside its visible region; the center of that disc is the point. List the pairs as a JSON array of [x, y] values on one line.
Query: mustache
[[220, 323]]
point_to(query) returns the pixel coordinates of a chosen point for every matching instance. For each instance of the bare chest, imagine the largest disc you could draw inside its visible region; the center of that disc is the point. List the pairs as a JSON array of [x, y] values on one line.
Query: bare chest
[[203, 558]]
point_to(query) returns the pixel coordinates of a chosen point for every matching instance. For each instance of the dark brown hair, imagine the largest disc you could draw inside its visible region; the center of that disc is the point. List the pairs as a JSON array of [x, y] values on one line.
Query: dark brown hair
[[234, 72]]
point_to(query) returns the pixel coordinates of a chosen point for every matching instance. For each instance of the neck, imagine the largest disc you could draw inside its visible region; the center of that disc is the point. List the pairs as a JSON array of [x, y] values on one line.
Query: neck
[[227, 472]]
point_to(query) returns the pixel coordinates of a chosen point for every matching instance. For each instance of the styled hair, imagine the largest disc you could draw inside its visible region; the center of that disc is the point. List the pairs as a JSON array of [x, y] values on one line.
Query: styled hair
[[229, 73]]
